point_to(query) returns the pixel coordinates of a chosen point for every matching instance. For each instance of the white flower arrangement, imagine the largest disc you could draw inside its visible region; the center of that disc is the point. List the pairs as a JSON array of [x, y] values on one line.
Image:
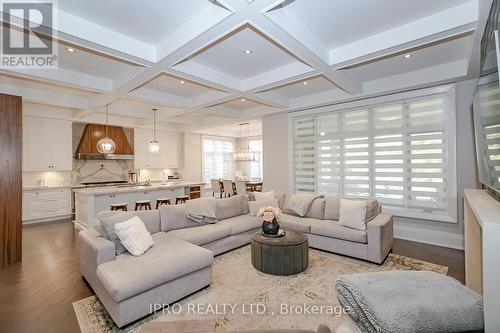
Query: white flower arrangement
[[270, 213]]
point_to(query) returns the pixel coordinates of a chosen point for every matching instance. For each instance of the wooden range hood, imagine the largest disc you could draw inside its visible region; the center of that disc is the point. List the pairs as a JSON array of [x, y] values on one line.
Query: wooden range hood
[[87, 148]]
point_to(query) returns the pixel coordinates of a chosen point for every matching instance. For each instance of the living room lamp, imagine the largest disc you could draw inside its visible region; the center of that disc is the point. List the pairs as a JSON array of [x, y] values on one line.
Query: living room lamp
[[154, 145], [106, 145], [244, 154]]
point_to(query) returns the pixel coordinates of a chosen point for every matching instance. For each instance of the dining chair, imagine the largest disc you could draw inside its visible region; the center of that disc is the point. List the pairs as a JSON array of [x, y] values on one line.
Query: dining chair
[[227, 185], [216, 187], [241, 187]]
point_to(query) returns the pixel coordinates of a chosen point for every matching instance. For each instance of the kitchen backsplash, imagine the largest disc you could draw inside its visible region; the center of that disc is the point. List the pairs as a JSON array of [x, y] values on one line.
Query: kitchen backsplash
[[52, 178]]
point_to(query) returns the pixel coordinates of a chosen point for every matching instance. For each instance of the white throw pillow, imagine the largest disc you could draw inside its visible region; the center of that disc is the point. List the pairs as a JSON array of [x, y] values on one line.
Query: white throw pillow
[[134, 236], [352, 214], [256, 205], [264, 196]]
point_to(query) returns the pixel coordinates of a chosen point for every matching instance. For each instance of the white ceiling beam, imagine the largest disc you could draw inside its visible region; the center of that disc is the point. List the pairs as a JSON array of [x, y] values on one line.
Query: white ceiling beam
[[272, 98], [63, 77], [211, 98], [199, 70], [454, 21], [45, 97], [281, 73], [474, 67], [161, 98]]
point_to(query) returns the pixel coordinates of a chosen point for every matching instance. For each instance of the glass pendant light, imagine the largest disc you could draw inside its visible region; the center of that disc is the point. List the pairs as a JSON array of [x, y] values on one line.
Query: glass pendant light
[[106, 145], [154, 145], [243, 154]]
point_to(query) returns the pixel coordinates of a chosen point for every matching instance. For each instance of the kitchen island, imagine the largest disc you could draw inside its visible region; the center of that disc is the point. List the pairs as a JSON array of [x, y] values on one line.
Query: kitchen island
[[89, 202]]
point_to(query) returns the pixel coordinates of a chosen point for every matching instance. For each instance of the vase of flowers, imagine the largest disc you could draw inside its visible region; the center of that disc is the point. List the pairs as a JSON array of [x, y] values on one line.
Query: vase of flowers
[[270, 217]]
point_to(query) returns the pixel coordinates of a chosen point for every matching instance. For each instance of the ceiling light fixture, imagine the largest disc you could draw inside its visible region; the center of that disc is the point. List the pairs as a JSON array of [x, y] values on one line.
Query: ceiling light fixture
[[247, 51], [243, 100], [181, 82], [70, 50], [154, 145], [243, 154], [305, 83], [106, 145], [407, 56]]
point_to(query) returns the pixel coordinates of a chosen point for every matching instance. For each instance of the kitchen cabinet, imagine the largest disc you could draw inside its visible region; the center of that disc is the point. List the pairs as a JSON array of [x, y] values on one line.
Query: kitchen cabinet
[[168, 158], [47, 145], [46, 204]]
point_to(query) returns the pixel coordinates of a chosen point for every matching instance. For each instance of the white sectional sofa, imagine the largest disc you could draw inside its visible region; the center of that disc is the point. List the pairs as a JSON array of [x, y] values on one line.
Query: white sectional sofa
[[180, 261]]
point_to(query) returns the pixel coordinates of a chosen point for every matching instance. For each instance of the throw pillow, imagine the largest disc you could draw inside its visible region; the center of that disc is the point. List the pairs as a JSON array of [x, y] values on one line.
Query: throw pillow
[[134, 236], [109, 222], [261, 196], [352, 214], [256, 205]]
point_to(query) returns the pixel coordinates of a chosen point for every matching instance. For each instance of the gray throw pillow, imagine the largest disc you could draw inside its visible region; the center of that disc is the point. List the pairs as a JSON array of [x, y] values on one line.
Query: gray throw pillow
[[108, 223]]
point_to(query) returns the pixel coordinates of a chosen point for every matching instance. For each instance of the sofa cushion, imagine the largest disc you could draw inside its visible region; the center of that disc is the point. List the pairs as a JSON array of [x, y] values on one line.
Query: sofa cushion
[[174, 217], [167, 260], [332, 208], [242, 223], [332, 229], [232, 206], [315, 211], [134, 236], [300, 224], [151, 218], [202, 234]]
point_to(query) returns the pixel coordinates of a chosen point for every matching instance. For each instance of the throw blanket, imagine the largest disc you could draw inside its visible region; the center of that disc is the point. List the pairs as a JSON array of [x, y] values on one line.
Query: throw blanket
[[202, 210], [299, 203], [409, 301]]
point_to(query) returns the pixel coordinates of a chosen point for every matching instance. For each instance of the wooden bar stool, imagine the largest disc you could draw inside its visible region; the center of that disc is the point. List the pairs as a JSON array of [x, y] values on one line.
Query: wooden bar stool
[[143, 205], [182, 199], [162, 201], [123, 206]]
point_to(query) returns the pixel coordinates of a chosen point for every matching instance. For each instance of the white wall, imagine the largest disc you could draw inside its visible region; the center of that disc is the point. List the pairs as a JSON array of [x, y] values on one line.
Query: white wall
[[192, 156], [277, 171], [276, 145]]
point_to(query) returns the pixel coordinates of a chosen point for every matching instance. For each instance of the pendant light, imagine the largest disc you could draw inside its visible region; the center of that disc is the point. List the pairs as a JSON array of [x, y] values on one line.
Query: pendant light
[[154, 145], [244, 154], [106, 145]]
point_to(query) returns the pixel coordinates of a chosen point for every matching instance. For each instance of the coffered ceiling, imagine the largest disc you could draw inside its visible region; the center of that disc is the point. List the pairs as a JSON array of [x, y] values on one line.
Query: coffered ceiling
[[208, 63]]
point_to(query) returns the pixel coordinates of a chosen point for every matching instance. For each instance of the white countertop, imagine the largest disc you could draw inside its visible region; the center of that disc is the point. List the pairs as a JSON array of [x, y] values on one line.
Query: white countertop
[[46, 187], [129, 189]]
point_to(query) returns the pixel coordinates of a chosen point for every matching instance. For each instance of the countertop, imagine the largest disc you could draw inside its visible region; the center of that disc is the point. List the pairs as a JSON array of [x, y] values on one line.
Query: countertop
[[47, 187], [129, 189]]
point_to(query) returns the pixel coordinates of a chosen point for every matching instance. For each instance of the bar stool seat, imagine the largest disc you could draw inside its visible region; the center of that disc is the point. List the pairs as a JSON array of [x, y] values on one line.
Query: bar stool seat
[[119, 206], [143, 205], [181, 199], [162, 201]]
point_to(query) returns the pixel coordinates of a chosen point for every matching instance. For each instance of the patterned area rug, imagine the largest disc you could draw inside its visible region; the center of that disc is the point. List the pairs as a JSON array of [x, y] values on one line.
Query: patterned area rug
[[237, 283]]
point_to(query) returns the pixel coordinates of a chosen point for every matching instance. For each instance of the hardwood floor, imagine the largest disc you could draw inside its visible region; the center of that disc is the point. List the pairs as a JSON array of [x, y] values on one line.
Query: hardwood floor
[[37, 295]]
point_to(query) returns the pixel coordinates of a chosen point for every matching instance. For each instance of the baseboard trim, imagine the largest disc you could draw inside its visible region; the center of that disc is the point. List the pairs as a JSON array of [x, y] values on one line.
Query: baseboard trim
[[431, 237]]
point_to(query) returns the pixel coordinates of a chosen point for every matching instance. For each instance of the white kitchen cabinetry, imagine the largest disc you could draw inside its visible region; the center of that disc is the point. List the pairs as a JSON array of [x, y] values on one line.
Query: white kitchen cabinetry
[[46, 204], [47, 145], [168, 158]]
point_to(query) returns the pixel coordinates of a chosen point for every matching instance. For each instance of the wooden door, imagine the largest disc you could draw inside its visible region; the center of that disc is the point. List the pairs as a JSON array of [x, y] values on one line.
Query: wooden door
[[10, 179]]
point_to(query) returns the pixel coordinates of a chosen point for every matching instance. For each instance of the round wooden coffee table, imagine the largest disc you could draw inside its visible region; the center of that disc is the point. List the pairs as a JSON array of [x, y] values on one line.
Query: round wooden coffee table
[[287, 255]]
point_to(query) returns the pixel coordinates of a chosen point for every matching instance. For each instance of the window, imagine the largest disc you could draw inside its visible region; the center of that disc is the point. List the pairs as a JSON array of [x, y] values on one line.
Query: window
[[218, 159], [394, 152], [255, 145]]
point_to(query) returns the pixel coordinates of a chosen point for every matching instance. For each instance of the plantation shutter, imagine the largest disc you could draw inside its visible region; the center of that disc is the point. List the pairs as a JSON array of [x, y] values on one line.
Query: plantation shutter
[[304, 155], [388, 155], [355, 154], [426, 156], [489, 106], [218, 162]]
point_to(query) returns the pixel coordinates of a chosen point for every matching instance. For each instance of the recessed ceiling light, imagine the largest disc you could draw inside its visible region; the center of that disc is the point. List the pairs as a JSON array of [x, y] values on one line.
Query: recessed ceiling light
[[407, 56], [247, 51], [70, 50], [181, 82], [243, 100], [305, 83]]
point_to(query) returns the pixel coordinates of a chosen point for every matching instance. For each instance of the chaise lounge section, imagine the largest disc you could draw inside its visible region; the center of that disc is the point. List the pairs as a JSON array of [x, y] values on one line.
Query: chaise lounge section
[[180, 262]]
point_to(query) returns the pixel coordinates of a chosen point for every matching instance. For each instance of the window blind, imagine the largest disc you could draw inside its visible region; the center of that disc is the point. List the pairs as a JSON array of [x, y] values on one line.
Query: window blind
[[218, 162], [255, 146], [489, 99], [394, 152]]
